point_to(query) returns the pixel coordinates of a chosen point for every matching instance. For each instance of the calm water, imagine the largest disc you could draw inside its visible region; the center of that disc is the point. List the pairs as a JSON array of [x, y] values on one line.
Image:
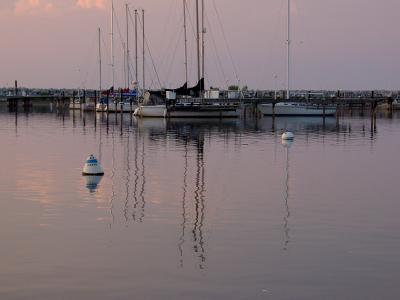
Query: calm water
[[199, 209]]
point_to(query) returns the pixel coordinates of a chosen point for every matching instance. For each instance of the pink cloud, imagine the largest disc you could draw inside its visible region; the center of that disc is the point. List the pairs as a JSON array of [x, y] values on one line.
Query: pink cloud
[[87, 4], [23, 7]]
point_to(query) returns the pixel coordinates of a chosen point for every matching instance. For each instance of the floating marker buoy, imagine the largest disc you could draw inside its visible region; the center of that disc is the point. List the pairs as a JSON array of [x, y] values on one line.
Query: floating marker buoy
[[92, 167], [287, 136]]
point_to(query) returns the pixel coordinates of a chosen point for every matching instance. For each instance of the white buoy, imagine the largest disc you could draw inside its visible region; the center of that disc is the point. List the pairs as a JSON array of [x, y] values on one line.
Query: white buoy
[[287, 136], [92, 167]]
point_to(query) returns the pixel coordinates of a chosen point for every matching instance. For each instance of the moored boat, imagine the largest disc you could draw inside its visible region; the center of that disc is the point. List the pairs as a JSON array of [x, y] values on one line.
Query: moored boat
[[296, 109], [189, 110], [75, 104]]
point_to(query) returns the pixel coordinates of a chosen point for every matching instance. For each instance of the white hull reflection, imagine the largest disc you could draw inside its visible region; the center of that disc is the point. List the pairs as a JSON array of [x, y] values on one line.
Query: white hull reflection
[[75, 105]]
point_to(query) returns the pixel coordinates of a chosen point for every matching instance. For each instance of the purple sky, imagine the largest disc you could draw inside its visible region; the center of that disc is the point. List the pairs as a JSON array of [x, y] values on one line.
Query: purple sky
[[337, 44]]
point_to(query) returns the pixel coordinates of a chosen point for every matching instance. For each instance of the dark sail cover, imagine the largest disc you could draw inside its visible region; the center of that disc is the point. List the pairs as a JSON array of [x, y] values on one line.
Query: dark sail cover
[[182, 91], [194, 91]]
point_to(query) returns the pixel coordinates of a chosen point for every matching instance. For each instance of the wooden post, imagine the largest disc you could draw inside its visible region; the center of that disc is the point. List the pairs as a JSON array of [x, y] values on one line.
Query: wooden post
[[373, 116], [83, 100], [63, 99], [390, 102], [130, 103], [273, 110], [337, 116], [121, 99], [108, 100], [73, 100], [16, 88], [73, 107], [95, 100]]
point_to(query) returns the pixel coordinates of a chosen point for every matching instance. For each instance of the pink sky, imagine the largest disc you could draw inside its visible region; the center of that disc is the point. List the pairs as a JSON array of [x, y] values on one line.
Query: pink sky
[[337, 44]]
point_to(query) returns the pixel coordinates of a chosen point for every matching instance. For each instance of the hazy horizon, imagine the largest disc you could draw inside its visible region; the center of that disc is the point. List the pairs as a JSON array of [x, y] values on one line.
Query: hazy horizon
[[336, 44]]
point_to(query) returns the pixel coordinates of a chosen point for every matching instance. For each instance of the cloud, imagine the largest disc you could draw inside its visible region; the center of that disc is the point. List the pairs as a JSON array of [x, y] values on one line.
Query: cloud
[[23, 7], [87, 4]]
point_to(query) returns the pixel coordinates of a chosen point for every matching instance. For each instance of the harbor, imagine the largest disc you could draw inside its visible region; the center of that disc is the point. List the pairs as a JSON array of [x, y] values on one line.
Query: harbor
[[199, 149], [189, 197]]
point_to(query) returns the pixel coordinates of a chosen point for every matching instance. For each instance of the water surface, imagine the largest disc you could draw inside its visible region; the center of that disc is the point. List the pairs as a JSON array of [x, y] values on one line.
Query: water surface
[[199, 209]]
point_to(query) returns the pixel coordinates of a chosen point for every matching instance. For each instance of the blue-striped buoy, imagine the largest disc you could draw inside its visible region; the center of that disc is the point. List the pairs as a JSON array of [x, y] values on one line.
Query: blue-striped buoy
[[92, 167]]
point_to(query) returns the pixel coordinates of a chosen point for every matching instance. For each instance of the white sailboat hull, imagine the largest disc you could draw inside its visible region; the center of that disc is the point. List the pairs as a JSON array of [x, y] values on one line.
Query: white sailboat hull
[[206, 111], [151, 111], [295, 109]]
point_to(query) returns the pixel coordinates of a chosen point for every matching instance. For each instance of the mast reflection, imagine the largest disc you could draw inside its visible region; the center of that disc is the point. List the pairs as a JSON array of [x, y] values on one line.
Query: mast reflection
[[287, 144], [184, 218], [142, 190], [192, 136]]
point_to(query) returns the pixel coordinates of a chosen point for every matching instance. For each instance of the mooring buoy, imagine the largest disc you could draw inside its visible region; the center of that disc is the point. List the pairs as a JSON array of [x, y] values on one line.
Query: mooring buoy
[[288, 136], [92, 167]]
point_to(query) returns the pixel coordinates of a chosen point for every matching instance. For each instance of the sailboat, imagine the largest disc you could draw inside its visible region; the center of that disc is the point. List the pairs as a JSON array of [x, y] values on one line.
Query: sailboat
[[292, 108], [124, 100], [192, 102]]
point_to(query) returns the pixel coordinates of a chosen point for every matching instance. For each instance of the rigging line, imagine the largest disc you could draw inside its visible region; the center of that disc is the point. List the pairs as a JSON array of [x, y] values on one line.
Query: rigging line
[[132, 69], [226, 41], [104, 45], [164, 56], [106, 49], [193, 27], [174, 53], [172, 8], [120, 34], [88, 63], [151, 57], [146, 42], [172, 35], [131, 62], [216, 53], [278, 84]]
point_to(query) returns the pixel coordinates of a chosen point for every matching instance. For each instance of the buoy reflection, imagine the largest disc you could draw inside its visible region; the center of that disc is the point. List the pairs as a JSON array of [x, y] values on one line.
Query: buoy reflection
[[92, 182]]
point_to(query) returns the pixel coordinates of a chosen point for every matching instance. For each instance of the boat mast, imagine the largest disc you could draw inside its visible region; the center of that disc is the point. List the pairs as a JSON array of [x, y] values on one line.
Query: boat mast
[[203, 31], [99, 59], [112, 43], [185, 36], [198, 40], [136, 51], [288, 54], [127, 46], [144, 42]]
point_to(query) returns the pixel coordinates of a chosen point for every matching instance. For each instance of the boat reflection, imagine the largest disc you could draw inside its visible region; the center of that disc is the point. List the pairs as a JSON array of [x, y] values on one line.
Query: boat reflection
[[287, 144], [190, 134]]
